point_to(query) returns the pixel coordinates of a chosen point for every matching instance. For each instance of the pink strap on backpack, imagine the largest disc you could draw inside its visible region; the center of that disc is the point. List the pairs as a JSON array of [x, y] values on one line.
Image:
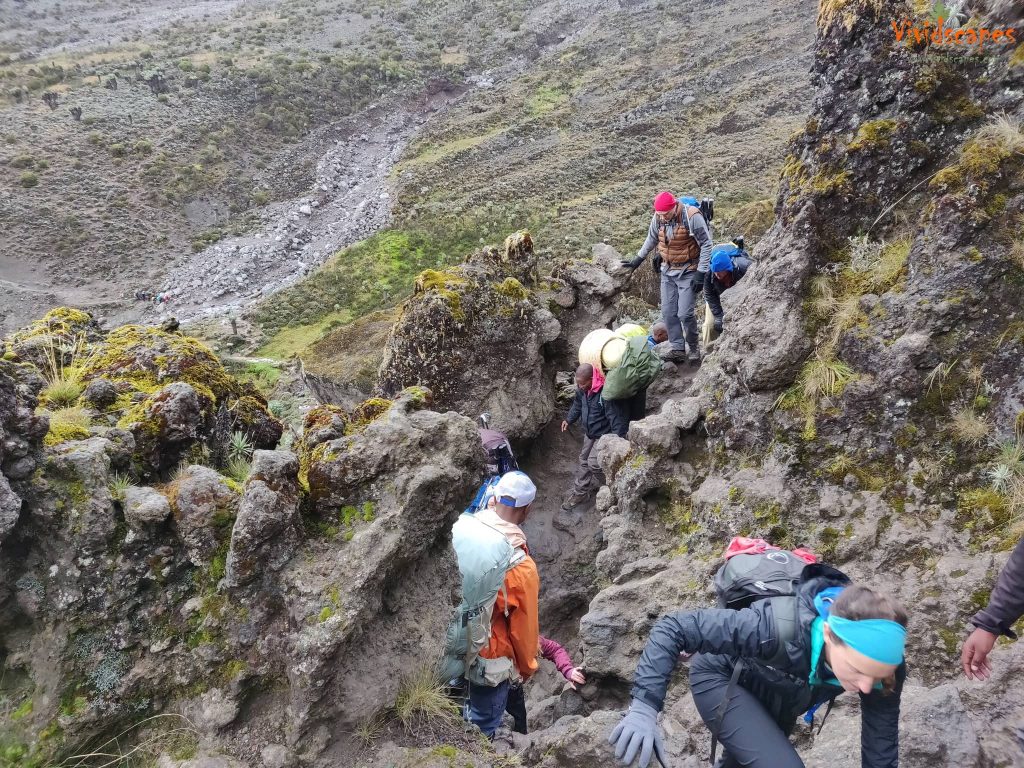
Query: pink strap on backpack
[[741, 545], [806, 555]]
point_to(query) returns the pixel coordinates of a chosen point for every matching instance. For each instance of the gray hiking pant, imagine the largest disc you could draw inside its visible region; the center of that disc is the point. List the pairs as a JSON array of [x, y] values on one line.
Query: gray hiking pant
[[589, 477], [749, 735], [677, 299]]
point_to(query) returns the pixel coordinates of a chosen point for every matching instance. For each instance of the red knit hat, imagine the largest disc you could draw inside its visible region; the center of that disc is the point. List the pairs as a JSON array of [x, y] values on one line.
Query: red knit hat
[[664, 202]]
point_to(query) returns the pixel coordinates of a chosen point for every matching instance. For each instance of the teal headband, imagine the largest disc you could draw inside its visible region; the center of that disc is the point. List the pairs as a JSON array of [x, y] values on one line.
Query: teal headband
[[880, 640]]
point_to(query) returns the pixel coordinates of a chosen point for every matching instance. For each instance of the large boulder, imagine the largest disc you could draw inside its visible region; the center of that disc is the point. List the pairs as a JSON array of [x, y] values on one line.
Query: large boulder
[[476, 337], [173, 394], [267, 528], [145, 507], [383, 500], [204, 507]]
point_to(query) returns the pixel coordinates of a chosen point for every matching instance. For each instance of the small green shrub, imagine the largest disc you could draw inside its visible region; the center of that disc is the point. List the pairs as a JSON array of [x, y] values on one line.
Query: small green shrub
[[29, 179]]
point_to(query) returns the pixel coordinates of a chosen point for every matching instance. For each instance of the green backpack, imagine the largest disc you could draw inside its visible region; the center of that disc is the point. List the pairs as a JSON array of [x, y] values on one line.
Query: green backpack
[[638, 370]]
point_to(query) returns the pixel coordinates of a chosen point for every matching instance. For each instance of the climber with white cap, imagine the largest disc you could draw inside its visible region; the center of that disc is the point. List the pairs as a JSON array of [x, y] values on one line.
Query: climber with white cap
[[515, 627]]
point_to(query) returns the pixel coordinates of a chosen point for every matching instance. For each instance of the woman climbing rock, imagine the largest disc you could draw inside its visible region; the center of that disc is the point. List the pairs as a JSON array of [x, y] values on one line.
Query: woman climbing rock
[[750, 682]]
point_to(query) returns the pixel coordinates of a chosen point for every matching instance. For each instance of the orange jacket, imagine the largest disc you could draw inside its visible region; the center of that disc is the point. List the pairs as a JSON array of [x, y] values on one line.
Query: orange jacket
[[518, 636]]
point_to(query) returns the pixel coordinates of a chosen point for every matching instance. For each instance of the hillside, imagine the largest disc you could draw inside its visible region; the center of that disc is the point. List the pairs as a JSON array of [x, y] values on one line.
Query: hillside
[[235, 550]]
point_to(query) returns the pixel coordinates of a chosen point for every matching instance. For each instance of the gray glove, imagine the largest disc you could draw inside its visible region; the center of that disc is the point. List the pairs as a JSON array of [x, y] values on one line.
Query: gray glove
[[638, 732], [632, 263]]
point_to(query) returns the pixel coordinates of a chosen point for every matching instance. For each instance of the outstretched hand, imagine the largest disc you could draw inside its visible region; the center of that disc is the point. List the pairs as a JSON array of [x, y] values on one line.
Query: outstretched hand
[[576, 677], [974, 656], [638, 733]]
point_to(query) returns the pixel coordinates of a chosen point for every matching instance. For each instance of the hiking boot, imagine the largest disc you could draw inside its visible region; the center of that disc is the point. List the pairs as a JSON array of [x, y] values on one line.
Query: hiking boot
[[573, 500], [693, 357], [673, 355]]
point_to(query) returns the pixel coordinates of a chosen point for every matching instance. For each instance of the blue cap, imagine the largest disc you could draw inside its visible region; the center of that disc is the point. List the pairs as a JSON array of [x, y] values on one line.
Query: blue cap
[[721, 260]]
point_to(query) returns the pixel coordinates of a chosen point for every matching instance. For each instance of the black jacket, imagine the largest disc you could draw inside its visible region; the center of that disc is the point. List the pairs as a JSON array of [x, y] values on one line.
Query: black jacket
[[1006, 603], [784, 690], [713, 287], [599, 417]]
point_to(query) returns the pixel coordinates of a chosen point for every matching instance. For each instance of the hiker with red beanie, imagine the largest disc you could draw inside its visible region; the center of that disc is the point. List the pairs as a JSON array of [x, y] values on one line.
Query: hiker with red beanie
[[683, 240]]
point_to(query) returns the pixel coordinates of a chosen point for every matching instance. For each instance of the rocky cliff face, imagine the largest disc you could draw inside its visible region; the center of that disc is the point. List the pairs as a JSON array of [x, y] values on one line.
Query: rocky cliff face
[[255, 609], [866, 398]]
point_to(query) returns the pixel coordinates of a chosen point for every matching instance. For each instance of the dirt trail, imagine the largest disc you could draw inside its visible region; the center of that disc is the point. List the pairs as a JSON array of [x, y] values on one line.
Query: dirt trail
[[565, 544]]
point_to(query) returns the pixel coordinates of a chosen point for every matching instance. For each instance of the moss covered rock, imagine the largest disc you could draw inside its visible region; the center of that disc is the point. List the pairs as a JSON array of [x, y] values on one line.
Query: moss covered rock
[[475, 337]]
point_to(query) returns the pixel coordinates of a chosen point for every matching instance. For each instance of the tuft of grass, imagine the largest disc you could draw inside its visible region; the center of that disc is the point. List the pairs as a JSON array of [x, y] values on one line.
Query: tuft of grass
[[370, 730], [62, 393], [238, 469], [1017, 253], [174, 735], [821, 379], [423, 704], [939, 374], [68, 424], [119, 484], [63, 371], [968, 427]]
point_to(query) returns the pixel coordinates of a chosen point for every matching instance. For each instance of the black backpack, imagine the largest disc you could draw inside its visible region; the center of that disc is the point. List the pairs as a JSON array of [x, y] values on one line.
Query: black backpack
[[746, 578]]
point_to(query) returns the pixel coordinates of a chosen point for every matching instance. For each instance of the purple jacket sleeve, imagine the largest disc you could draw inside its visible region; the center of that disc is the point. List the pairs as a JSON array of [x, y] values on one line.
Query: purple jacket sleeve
[[556, 654], [1006, 603]]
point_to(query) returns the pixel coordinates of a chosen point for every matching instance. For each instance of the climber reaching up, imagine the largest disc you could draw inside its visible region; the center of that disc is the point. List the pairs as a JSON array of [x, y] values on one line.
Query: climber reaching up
[[757, 668], [1005, 607], [680, 233], [729, 263], [558, 656]]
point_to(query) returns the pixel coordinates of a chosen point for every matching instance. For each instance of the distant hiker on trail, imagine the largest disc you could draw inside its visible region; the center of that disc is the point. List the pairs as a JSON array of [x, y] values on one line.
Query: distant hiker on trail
[[558, 656], [683, 240], [658, 334], [598, 418], [729, 264], [758, 668], [514, 635], [1005, 607], [500, 459]]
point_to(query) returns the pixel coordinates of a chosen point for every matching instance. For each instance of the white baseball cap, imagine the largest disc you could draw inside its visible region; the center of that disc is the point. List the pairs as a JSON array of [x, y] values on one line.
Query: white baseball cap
[[515, 489]]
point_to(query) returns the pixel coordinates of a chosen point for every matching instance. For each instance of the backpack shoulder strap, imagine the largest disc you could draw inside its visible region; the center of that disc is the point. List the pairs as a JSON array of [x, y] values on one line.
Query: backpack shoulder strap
[[689, 211], [785, 613]]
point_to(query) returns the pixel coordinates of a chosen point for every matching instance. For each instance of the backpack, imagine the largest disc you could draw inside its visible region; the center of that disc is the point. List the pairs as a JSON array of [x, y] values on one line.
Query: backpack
[[483, 495], [484, 556], [705, 205], [756, 570], [636, 371]]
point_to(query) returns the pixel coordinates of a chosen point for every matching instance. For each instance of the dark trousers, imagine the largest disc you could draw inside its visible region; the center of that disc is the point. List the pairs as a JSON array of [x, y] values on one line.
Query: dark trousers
[[749, 735], [515, 705]]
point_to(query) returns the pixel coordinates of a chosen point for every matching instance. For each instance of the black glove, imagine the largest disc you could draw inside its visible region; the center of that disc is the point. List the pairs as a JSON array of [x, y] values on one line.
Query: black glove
[[698, 281], [656, 263], [632, 263]]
